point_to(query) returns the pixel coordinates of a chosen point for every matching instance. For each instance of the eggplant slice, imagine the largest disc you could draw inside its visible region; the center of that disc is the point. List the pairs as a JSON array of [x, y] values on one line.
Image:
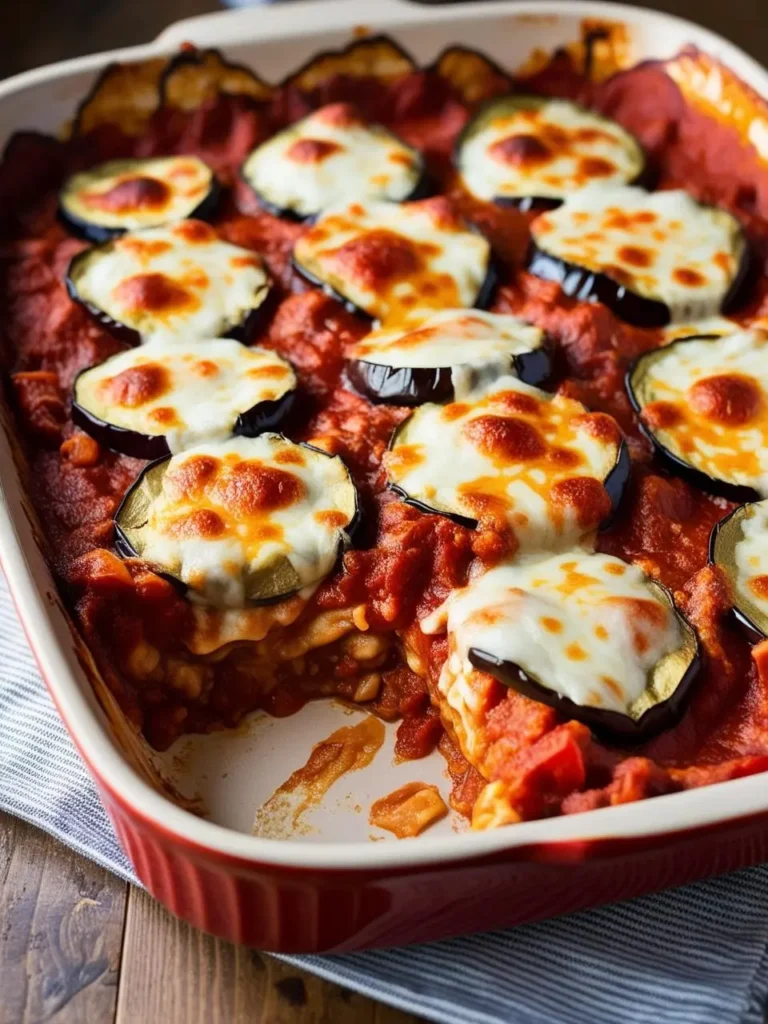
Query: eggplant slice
[[128, 195], [542, 463], [177, 280], [240, 522], [703, 402], [587, 634], [446, 356], [394, 261], [195, 77], [653, 257], [124, 96], [377, 57], [527, 150], [739, 546], [169, 395], [329, 157], [472, 76]]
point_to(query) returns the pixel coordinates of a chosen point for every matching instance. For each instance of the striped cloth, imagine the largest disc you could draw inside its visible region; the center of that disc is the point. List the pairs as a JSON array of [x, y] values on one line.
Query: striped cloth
[[691, 956]]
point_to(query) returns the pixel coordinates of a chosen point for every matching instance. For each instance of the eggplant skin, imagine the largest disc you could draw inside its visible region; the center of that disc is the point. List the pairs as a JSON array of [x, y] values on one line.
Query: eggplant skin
[[593, 286], [205, 210], [411, 386], [125, 549], [609, 725], [242, 332], [674, 463], [615, 484], [751, 632], [260, 418]]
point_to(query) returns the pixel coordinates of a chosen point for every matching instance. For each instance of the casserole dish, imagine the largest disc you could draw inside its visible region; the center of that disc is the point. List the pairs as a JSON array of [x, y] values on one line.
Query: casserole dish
[[339, 892]]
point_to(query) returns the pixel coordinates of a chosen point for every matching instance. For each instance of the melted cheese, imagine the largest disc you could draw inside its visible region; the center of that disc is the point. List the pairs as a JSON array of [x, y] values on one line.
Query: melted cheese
[[230, 512], [516, 453], [706, 401], [587, 626], [179, 280], [525, 147], [393, 261], [127, 195], [478, 347], [328, 158], [190, 393], [663, 246], [750, 558], [717, 326]]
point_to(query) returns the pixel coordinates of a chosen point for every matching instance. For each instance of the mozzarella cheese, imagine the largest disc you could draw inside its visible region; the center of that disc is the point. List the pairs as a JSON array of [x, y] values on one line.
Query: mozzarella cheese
[[535, 460], [750, 559], [706, 401], [234, 519], [179, 280], [188, 393], [589, 627], [330, 157], [478, 347], [663, 246], [127, 195], [396, 261], [521, 146]]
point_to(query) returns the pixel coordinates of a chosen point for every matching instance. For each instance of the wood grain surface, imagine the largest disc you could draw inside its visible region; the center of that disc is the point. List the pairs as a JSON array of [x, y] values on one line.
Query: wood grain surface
[[78, 946]]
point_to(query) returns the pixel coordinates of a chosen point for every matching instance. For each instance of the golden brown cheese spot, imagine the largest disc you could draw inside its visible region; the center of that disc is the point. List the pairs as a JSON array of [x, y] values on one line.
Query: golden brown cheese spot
[[250, 488], [520, 150], [145, 250], [723, 260], [289, 457], [505, 438], [238, 262], [551, 625], [312, 151], [600, 426], [635, 256], [154, 293], [586, 496], [564, 458], [190, 478], [269, 373], [137, 385], [183, 170], [614, 686], [575, 652], [201, 523], [662, 415], [379, 257], [596, 167], [601, 632], [404, 458], [688, 278], [729, 398], [400, 158], [164, 416], [455, 410], [205, 368], [195, 232], [759, 584], [516, 402], [615, 569], [618, 274], [640, 612], [591, 135], [131, 194], [333, 518]]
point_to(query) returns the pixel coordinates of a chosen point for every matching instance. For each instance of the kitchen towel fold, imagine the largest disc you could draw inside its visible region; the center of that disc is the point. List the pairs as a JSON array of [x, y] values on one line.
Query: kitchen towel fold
[[696, 955]]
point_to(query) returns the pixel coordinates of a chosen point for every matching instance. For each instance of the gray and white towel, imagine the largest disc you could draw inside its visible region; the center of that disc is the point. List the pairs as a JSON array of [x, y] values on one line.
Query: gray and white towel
[[696, 955]]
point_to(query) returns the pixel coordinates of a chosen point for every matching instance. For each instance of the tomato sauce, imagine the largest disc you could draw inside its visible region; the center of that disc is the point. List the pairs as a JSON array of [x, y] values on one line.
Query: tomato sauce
[[407, 562]]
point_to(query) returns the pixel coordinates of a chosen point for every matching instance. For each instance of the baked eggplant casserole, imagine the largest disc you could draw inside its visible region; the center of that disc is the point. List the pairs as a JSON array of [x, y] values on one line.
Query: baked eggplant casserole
[[439, 391]]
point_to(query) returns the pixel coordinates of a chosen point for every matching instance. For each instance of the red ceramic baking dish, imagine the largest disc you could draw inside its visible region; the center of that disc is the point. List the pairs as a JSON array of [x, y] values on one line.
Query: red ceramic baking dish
[[185, 817]]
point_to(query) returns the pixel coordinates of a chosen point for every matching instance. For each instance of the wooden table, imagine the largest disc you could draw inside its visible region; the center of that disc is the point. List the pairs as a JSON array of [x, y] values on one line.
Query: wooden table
[[76, 943]]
